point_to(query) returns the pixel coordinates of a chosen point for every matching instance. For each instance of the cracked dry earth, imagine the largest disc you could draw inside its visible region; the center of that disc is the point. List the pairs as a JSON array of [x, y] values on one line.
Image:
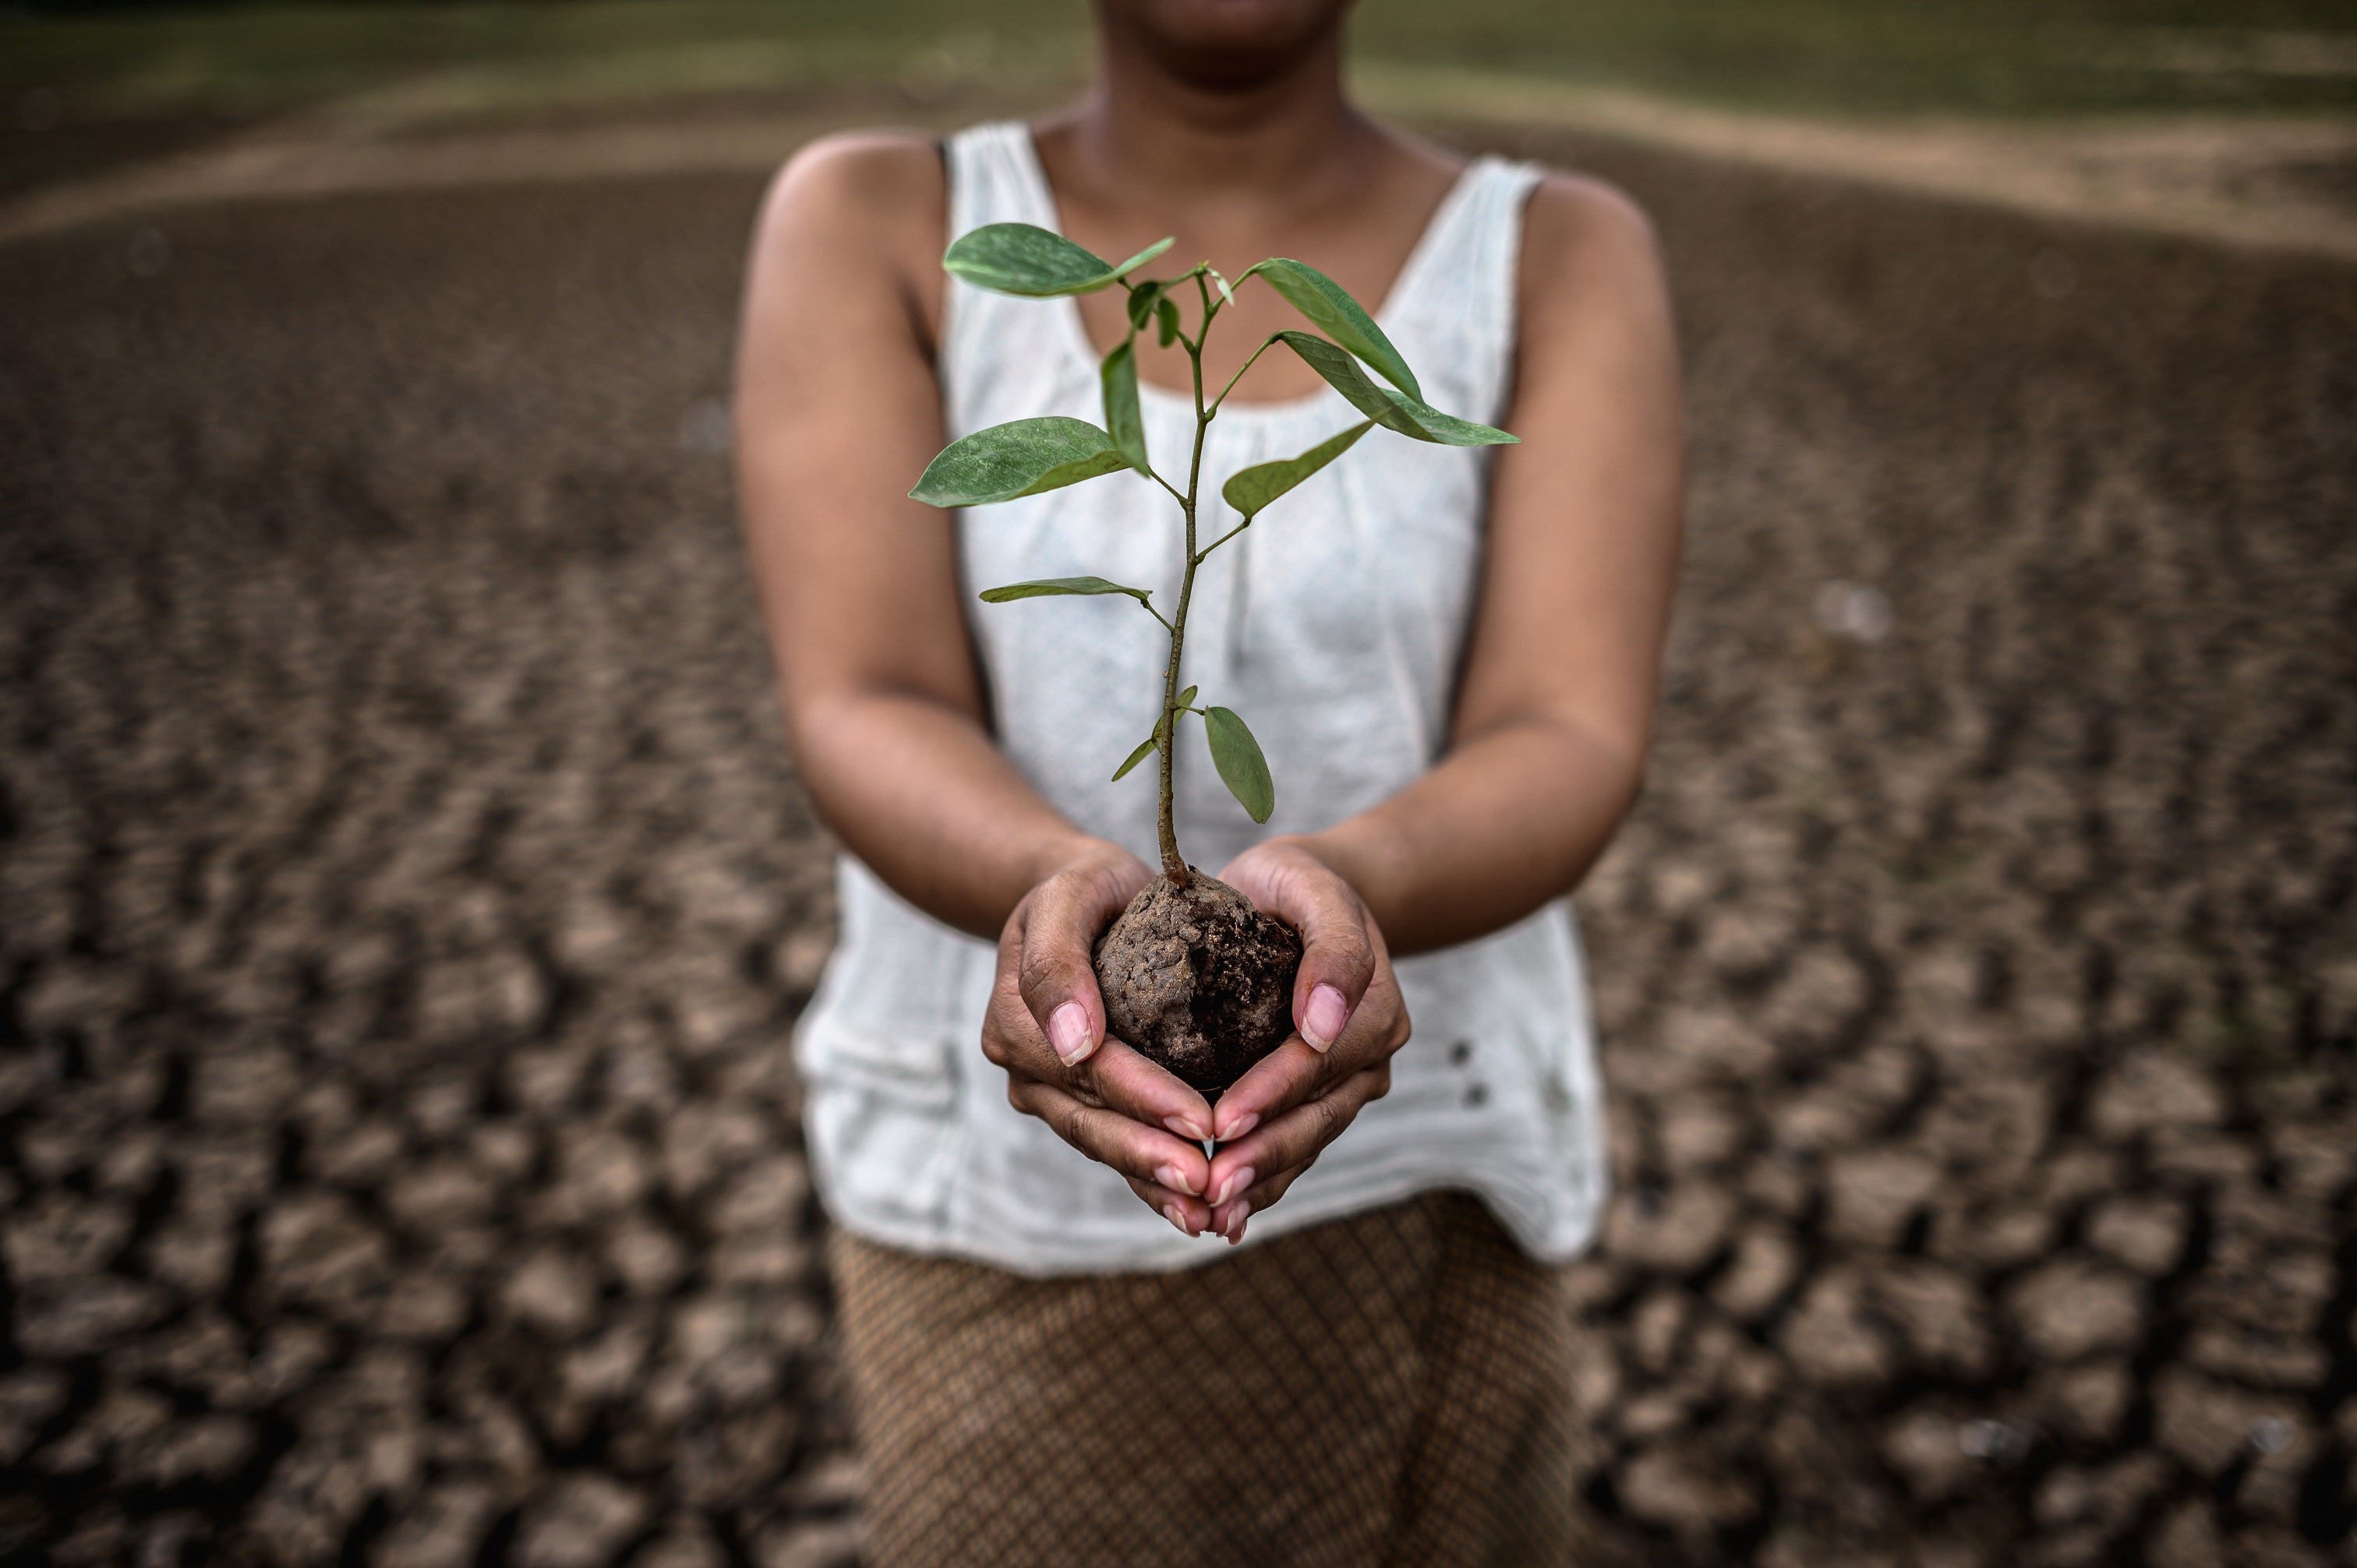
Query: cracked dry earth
[[404, 898]]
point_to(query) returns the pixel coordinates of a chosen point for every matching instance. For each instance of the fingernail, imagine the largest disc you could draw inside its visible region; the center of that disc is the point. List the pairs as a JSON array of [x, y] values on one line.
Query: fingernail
[[1068, 1031], [1243, 1124], [1239, 1180], [1235, 1232], [1175, 1179], [1322, 1020], [1185, 1129], [1177, 1217]]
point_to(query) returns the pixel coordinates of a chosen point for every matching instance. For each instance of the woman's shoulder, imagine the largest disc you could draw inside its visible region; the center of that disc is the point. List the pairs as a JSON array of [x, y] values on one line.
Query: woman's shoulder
[[1589, 271], [1577, 226], [877, 197], [870, 173], [1574, 228]]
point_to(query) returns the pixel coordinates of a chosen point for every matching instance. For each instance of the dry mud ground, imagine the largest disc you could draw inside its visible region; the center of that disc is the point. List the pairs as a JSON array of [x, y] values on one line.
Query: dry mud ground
[[404, 899]]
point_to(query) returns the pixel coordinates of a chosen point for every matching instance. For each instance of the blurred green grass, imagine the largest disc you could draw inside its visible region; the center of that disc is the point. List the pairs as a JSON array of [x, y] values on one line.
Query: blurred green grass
[[244, 59], [81, 86], [1875, 57]]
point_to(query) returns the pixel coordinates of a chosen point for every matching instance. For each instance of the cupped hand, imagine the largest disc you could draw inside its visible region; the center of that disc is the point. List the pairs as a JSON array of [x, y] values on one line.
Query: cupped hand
[[1046, 1027], [1349, 1019]]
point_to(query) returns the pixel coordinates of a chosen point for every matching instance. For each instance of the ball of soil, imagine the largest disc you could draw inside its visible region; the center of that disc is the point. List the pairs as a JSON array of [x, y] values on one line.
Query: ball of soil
[[1196, 978]]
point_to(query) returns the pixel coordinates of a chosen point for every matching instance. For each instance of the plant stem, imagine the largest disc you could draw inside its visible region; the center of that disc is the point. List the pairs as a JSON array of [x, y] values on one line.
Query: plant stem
[[1205, 553], [1174, 865], [1247, 365]]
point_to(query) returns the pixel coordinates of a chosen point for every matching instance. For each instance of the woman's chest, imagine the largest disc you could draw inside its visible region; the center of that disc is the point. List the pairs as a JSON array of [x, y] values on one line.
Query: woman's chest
[[1374, 553]]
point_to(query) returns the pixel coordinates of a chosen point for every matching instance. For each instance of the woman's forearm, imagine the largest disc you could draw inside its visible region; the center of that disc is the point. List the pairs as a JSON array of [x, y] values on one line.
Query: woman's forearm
[[1505, 823], [1509, 821], [916, 789], [1555, 699]]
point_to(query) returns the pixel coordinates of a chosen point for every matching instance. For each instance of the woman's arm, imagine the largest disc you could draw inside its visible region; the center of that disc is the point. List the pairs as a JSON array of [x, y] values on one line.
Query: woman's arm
[[1556, 701], [837, 411], [1554, 704]]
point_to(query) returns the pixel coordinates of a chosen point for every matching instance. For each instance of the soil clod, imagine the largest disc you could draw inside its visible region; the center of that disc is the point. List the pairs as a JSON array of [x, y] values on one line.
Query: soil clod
[[1199, 979]]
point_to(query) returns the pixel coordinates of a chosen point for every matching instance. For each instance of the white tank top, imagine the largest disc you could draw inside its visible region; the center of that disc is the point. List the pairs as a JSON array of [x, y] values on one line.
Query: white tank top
[[1334, 625]]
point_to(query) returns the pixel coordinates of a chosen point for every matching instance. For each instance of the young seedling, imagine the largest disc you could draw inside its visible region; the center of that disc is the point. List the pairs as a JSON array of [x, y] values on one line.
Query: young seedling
[[1193, 974]]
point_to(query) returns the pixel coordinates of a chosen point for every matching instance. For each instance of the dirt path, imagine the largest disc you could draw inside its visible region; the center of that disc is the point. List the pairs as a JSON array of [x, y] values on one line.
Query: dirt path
[[2278, 183], [2282, 183], [406, 900]]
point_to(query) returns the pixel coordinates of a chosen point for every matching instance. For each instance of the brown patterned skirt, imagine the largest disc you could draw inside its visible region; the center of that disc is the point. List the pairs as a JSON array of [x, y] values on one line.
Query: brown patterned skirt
[[1387, 1389]]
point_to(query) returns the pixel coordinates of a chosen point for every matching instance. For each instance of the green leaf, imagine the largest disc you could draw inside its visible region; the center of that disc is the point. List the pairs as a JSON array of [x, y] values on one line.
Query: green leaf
[[1123, 269], [1021, 458], [1447, 429], [1392, 410], [1333, 311], [1343, 374], [1034, 263], [1226, 292], [1119, 376], [1144, 749], [1141, 304], [1051, 587], [1166, 321], [1250, 490], [1241, 767]]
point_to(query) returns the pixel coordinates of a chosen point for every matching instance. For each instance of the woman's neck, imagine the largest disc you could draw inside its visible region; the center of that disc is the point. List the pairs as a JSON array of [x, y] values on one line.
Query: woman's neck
[[1286, 135], [1244, 158]]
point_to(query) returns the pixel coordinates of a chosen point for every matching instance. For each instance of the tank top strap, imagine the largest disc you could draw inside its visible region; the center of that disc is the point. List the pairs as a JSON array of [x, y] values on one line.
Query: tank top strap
[[990, 340], [1457, 296], [995, 177]]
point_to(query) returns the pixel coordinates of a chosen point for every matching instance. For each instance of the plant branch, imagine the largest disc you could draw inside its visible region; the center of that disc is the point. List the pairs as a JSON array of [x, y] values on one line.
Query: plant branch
[[1210, 309], [1203, 554], [1194, 344], [1247, 365]]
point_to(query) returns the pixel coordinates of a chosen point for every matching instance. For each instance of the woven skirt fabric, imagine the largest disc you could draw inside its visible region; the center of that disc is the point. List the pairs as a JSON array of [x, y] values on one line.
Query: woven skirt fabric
[[1389, 1389]]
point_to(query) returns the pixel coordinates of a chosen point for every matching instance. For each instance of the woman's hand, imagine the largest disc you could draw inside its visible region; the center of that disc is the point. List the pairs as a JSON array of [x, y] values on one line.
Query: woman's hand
[[1349, 1018], [1046, 1028]]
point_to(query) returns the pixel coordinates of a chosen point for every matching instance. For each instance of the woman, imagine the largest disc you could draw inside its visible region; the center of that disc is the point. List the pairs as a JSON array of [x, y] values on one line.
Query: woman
[[1450, 657]]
